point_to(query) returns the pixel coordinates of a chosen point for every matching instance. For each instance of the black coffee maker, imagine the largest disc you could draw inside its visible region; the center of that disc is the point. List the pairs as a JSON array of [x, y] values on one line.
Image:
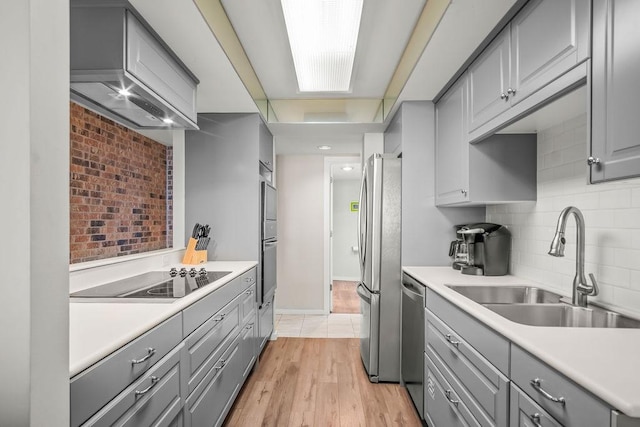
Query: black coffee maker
[[487, 248]]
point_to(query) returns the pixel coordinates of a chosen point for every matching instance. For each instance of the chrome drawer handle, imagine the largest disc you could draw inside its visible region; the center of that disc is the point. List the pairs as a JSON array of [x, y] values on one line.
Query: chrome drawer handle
[[150, 352], [154, 381], [249, 292], [452, 341], [220, 365], [536, 383], [248, 279], [448, 394], [535, 419], [220, 318]]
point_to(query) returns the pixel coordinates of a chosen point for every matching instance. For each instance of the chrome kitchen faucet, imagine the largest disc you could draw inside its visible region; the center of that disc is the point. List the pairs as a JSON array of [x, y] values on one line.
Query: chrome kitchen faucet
[[581, 289]]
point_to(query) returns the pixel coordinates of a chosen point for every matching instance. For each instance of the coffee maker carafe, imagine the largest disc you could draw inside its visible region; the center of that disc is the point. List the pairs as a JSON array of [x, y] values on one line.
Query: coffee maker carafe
[[488, 247]]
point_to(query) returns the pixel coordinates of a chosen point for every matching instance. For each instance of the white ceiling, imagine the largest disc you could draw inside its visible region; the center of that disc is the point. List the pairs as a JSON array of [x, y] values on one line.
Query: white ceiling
[[386, 25]]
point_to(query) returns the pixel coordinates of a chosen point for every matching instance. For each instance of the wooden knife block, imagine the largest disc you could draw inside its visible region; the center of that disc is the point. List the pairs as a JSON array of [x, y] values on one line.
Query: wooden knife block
[[191, 256]]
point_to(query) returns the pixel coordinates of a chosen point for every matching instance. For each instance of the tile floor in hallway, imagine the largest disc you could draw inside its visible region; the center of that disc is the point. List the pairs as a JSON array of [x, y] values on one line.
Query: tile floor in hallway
[[333, 325]]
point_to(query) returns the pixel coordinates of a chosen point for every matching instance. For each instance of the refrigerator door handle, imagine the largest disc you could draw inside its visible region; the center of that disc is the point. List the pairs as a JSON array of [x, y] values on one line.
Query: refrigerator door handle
[[363, 294], [362, 207]]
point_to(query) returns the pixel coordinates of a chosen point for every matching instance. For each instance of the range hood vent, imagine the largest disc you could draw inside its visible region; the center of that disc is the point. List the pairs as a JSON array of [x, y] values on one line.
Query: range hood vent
[[123, 70]]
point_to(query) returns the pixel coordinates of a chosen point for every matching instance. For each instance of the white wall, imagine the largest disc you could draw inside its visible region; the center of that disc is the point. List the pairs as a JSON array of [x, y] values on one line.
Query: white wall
[[612, 219], [34, 187], [300, 183], [345, 230]]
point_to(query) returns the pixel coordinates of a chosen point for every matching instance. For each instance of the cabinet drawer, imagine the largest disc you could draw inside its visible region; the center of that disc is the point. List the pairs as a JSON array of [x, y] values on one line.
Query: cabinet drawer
[[526, 413], [208, 404], [248, 304], [481, 386], [91, 389], [153, 400], [579, 409], [206, 344], [488, 343], [443, 408], [197, 313]]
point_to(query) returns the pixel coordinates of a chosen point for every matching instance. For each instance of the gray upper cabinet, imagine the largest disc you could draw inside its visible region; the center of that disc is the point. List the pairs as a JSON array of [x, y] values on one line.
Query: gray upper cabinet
[[452, 153], [548, 38], [489, 81], [536, 53], [502, 168], [266, 147], [615, 128]]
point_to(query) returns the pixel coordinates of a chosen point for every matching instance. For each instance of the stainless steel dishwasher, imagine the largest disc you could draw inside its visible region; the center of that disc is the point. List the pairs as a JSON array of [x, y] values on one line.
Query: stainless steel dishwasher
[[412, 352]]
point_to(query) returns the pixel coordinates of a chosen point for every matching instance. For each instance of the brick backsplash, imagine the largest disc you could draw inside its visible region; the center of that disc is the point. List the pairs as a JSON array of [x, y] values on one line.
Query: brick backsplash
[[612, 220], [120, 186]]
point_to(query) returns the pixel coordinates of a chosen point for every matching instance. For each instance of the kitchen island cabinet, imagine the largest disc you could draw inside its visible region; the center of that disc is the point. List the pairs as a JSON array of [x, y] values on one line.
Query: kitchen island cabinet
[[202, 370], [600, 389]]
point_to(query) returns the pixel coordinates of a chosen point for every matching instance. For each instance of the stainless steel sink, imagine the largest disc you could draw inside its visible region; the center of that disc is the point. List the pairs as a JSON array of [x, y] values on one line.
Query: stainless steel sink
[[563, 315], [506, 294]]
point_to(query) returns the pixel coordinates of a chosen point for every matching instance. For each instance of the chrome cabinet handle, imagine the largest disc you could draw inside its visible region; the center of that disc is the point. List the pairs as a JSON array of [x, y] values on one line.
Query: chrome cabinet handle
[[220, 365], [150, 352], [537, 384], [511, 91], [593, 160], [463, 192], [154, 381], [248, 279], [448, 394], [220, 318], [504, 96], [535, 419], [248, 292], [451, 340]]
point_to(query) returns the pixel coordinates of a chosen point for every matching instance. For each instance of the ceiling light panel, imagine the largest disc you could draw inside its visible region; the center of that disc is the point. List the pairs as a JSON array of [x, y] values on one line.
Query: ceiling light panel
[[323, 35]]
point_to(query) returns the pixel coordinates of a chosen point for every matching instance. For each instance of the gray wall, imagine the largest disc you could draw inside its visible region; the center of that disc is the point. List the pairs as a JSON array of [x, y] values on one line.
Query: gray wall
[[34, 186]]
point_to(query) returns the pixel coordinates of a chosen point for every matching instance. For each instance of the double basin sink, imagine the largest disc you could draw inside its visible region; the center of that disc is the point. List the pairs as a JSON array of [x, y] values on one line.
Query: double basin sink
[[533, 306]]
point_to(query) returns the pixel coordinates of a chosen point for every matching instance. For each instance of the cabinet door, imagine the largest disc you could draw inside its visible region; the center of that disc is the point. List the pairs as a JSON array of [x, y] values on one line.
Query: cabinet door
[[548, 38], [248, 347], [266, 147], [615, 132], [452, 149], [489, 81], [265, 322]]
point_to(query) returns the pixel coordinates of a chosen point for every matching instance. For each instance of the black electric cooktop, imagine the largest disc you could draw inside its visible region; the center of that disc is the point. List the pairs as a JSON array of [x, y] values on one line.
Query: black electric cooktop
[[154, 284]]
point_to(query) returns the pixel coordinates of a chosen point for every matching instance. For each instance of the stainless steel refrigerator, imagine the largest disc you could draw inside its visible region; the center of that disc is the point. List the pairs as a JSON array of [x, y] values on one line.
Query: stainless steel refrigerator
[[379, 237]]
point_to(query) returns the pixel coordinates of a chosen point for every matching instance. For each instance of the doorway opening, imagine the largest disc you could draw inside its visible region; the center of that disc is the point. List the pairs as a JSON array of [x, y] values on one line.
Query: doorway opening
[[343, 257]]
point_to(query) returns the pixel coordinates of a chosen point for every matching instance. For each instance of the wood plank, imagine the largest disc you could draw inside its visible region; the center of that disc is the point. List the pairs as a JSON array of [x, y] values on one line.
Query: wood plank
[[345, 298], [318, 382]]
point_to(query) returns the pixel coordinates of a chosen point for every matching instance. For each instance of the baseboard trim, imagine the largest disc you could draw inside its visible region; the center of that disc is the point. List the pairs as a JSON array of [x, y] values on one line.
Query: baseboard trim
[[347, 279], [299, 311]]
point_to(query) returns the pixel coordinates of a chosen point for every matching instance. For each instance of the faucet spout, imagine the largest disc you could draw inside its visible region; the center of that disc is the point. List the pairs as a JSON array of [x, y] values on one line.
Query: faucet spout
[[581, 288]]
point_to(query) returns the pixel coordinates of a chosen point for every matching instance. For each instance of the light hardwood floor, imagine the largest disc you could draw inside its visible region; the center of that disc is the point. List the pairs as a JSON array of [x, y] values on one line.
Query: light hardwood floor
[[318, 382], [345, 297]]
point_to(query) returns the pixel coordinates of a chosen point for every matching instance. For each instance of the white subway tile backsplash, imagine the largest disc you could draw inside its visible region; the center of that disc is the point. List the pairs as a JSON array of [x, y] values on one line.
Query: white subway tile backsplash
[[612, 219]]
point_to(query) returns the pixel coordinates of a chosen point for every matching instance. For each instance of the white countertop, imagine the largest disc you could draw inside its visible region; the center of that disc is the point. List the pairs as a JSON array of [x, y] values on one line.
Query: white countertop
[[98, 329], [602, 360]]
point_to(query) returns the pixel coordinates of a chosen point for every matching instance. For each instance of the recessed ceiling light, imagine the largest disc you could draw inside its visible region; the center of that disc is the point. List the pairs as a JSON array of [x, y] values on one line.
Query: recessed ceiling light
[[167, 120], [323, 35], [124, 92], [324, 147], [347, 168]]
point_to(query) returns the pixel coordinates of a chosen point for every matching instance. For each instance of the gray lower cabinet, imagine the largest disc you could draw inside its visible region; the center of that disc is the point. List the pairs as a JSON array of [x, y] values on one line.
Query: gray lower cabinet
[[565, 401], [265, 320], [467, 361], [525, 412], [615, 127], [153, 400], [163, 379]]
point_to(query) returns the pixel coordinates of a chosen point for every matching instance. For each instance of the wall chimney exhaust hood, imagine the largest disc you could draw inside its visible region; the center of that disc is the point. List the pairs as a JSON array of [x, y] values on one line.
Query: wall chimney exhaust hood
[[123, 70]]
